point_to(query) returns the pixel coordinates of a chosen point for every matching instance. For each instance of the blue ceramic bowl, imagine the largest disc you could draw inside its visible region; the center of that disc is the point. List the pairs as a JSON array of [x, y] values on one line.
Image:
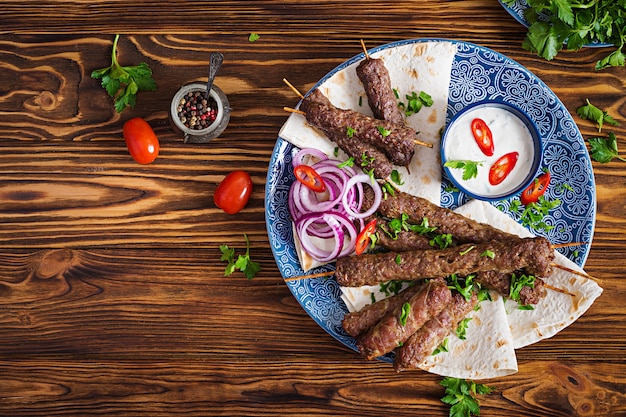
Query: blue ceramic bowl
[[514, 161]]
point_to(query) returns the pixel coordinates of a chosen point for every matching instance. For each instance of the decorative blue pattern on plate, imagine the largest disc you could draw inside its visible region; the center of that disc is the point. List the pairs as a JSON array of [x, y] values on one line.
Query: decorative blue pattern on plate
[[477, 73], [517, 11]]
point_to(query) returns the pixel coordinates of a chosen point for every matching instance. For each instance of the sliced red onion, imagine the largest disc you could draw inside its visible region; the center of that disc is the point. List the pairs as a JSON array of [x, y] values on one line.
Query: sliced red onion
[[357, 181], [314, 154]]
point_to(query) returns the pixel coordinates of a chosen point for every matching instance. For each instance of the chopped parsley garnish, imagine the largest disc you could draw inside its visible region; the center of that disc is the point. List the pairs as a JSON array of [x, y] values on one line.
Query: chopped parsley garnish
[[461, 396], [404, 315], [518, 282], [397, 225], [441, 241], [470, 168], [350, 131], [384, 132], [391, 287], [366, 160], [253, 37], [395, 177], [489, 254], [468, 250], [461, 330], [465, 286], [415, 102], [533, 214], [398, 259], [347, 163], [443, 347]]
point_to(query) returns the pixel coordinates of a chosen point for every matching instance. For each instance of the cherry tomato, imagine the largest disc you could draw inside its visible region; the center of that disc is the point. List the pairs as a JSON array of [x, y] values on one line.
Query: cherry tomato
[[535, 190], [483, 136], [502, 168], [233, 193], [142, 143], [310, 178], [363, 239]]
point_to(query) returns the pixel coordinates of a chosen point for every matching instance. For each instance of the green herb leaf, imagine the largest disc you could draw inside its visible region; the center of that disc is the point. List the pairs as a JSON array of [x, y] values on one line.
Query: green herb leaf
[[461, 396], [603, 150], [384, 132], [468, 250], [253, 37], [347, 163], [124, 82], [441, 241], [350, 131], [518, 282], [489, 254], [404, 315], [395, 177], [461, 330], [591, 112], [242, 263], [443, 347], [470, 168]]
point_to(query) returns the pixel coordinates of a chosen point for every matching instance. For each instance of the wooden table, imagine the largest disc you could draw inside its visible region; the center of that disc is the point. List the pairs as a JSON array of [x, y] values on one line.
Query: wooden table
[[113, 298]]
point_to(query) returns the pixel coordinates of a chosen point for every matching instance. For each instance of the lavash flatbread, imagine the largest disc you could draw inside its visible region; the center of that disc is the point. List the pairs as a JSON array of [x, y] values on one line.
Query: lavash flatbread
[[422, 66]]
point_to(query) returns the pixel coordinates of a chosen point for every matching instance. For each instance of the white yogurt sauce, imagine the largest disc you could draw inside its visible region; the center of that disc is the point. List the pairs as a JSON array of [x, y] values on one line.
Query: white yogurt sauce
[[509, 133]]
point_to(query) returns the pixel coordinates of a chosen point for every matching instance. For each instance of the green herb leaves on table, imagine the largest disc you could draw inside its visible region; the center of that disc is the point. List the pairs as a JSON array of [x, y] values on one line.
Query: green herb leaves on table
[[572, 24], [601, 149], [461, 396], [124, 82], [242, 263]]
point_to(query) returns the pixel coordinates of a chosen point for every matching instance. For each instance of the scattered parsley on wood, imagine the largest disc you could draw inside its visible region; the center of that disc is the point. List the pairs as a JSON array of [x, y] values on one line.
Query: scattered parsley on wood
[[124, 82], [253, 37], [574, 23], [242, 263], [591, 112], [604, 150], [461, 396], [470, 168]]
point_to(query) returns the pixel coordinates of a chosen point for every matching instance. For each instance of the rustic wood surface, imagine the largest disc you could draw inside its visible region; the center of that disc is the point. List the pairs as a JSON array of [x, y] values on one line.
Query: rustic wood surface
[[112, 294]]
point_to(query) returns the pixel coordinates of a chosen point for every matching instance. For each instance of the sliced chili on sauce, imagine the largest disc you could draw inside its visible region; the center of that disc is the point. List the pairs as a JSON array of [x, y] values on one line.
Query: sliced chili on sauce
[[310, 178], [483, 136], [535, 190], [363, 239], [502, 168]]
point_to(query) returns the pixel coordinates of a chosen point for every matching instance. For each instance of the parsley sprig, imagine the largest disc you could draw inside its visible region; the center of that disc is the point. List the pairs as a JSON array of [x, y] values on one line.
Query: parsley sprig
[[243, 262], [601, 149], [461, 396], [123, 83], [470, 168], [574, 23]]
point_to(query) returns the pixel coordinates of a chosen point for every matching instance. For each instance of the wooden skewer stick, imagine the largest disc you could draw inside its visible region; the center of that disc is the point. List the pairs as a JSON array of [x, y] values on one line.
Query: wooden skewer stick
[[367, 56], [561, 290], [318, 275], [290, 110], [294, 89], [573, 271], [569, 245]]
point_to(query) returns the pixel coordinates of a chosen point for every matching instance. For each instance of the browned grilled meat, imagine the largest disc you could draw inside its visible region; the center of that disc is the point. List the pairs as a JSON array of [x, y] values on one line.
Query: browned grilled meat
[[396, 141], [375, 78], [404, 241], [417, 208], [533, 255], [393, 330], [358, 322], [501, 282], [367, 156], [425, 340]]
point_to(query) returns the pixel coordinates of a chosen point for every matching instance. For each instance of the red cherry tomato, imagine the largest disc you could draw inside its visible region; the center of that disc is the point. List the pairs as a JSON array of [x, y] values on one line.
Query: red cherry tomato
[[483, 136], [535, 190], [363, 239], [502, 168], [142, 143], [310, 178], [233, 193]]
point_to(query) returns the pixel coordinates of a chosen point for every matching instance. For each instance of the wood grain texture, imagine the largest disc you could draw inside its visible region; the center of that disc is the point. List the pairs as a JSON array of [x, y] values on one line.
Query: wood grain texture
[[113, 300]]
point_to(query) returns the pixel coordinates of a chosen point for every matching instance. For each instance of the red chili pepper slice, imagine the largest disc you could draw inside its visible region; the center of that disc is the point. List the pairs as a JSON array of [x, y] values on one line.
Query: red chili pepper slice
[[310, 178], [502, 168], [483, 136], [363, 238], [535, 190]]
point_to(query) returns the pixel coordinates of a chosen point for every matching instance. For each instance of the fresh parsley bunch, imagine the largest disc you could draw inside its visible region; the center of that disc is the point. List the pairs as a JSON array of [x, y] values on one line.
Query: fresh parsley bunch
[[574, 23], [242, 263], [123, 83], [461, 396]]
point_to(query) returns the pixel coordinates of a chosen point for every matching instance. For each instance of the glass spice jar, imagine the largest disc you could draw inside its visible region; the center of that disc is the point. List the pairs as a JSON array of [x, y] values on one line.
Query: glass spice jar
[[197, 117]]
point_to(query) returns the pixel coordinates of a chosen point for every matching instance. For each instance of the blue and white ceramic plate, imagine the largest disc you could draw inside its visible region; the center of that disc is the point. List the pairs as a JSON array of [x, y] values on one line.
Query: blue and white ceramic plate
[[477, 74], [517, 11]]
